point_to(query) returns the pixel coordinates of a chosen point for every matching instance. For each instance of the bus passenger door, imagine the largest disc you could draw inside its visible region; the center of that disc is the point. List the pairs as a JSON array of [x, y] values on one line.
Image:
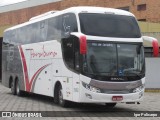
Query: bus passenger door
[[75, 89], [69, 24], [67, 89]]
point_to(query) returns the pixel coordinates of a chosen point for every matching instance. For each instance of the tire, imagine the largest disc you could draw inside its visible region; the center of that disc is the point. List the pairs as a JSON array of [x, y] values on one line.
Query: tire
[[110, 105], [18, 91], [13, 88], [58, 98]]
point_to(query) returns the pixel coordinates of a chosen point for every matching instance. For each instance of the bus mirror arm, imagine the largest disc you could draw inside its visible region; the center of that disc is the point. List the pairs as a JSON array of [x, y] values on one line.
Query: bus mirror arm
[[82, 41], [154, 43]]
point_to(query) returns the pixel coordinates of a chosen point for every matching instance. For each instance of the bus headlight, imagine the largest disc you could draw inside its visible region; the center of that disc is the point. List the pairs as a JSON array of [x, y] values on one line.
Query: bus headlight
[[138, 89], [91, 88]]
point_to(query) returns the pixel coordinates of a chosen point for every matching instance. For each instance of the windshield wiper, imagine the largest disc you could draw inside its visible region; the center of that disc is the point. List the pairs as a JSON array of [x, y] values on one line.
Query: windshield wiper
[[93, 74], [133, 72]]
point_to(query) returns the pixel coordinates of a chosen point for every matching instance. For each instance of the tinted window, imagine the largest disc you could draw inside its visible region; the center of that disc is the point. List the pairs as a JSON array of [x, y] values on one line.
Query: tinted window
[[9, 37], [108, 25], [70, 44], [76, 54], [100, 60], [71, 52], [69, 24], [29, 34], [25, 35], [40, 31], [33, 33], [54, 28], [68, 52], [21, 36], [6, 37], [36, 32], [112, 59]]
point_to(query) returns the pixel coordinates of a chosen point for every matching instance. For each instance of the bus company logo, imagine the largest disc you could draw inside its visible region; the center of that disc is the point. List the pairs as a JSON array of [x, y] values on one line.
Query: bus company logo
[[116, 78], [43, 53], [69, 44]]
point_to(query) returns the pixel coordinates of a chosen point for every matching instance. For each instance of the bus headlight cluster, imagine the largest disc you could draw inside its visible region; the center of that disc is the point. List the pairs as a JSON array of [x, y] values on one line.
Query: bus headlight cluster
[[91, 88], [138, 89]]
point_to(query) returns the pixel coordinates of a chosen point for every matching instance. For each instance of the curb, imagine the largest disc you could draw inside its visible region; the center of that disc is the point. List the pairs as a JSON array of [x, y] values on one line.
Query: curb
[[152, 90]]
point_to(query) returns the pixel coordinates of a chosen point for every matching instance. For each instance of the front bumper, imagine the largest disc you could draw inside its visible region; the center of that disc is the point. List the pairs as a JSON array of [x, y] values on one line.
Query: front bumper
[[88, 96]]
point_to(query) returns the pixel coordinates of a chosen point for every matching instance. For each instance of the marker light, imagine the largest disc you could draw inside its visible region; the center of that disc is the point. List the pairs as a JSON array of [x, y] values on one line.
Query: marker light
[[83, 44], [155, 48]]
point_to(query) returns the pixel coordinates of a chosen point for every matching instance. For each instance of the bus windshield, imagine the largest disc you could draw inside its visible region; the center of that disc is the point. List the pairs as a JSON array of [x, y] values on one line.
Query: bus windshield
[[118, 59], [109, 25]]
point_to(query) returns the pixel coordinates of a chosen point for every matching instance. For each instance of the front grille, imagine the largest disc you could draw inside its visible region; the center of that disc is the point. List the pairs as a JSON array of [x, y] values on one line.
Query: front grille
[[117, 91]]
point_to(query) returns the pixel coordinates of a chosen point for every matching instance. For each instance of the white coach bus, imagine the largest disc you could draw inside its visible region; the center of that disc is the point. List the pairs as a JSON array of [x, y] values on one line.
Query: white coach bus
[[81, 54]]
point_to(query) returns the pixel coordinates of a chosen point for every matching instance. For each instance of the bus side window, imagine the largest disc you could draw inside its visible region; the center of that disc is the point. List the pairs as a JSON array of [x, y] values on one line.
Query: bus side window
[[76, 54], [28, 34], [43, 26], [11, 45], [13, 37], [21, 36], [71, 52], [68, 52], [54, 28], [69, 24], [66, 25], [37, 35]]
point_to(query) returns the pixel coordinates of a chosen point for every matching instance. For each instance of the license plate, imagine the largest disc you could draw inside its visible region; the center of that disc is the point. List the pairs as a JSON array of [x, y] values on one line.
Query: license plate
[[117, 98]]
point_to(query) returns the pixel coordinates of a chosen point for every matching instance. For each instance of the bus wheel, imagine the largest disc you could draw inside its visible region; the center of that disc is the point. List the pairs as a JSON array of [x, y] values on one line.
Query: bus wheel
[[13, 89], [110, 105], [61, 101], [18, 91]]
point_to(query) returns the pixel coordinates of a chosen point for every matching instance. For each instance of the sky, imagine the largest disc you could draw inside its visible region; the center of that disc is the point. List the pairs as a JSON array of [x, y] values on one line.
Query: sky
[[7, 2]]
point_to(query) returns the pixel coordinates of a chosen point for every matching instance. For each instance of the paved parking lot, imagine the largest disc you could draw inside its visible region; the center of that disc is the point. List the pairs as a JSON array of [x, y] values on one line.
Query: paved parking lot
[[32, 102]]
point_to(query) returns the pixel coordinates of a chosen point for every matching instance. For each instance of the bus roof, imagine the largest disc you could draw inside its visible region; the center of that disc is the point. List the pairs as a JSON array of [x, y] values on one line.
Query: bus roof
[[89, 9], [76, 10]]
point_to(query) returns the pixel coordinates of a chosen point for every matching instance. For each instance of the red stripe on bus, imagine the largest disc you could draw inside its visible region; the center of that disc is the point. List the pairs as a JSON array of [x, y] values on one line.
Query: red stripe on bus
[[25, 69], [35, 75]]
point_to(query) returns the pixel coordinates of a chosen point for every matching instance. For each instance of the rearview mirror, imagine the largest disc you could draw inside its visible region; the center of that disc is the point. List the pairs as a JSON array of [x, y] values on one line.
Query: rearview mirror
[[82, 41], [154, 43]]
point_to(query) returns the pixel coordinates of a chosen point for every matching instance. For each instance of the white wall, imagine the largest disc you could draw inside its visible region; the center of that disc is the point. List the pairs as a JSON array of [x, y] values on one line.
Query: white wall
[[152, 72]]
